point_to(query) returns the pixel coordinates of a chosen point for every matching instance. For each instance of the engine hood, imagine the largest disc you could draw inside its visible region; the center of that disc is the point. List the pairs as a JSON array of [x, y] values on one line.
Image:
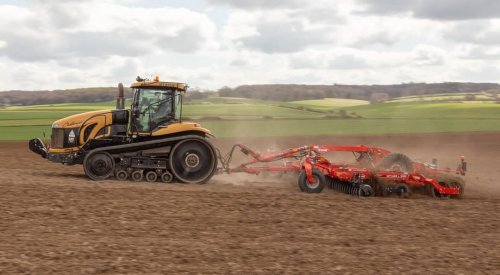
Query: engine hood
[[76, 120]]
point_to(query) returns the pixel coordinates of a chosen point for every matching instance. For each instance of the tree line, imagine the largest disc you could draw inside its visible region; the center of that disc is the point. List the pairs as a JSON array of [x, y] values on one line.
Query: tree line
[[277, 92], [373, 93]]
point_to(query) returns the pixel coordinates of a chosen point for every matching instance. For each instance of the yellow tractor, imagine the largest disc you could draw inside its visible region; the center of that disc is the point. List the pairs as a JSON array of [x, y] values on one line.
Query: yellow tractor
[[150, 141]]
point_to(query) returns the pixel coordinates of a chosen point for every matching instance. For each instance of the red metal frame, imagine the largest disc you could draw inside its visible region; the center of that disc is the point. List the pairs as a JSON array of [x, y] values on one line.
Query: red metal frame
[[306, 158]]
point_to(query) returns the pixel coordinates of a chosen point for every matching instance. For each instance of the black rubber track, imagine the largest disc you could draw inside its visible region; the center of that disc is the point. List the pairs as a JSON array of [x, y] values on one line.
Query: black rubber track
[[116, 150]]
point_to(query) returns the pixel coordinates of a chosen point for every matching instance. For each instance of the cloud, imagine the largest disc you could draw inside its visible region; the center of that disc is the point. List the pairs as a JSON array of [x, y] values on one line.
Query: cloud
[[380, 38], [438, 10], [283, 37], [274, 32], [476, 32], [259, 4], [213, 43], [110, 30]]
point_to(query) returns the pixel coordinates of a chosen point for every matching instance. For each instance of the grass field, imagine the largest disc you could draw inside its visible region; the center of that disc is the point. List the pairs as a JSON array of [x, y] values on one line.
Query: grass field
[[480, 96], [245, 117], [329, 103]]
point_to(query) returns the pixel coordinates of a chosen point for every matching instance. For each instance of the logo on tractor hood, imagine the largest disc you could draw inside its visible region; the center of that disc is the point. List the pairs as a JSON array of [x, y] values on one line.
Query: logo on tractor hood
[[71, 137]]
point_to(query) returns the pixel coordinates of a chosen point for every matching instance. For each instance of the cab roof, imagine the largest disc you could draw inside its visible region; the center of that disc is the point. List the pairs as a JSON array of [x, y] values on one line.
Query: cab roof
[[159, 84]]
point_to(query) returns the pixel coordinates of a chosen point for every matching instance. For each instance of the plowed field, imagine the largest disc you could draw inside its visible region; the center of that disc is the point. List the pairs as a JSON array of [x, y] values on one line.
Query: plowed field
[[55, 220]]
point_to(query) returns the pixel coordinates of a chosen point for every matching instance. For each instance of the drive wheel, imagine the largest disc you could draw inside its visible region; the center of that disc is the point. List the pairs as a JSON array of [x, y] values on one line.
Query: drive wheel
[[316, 187], [151, 176], [193, 161], [99, 166]]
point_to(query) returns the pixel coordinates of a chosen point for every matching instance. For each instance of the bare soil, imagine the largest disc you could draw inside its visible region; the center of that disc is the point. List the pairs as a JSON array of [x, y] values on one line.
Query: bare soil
[[55, 220]]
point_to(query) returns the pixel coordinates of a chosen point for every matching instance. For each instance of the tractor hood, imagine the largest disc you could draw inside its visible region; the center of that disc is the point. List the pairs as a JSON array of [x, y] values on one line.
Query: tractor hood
[[76, 120]]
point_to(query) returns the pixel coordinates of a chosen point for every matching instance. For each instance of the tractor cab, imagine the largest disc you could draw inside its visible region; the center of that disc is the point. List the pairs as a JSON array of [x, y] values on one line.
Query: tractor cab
[[155, 104]]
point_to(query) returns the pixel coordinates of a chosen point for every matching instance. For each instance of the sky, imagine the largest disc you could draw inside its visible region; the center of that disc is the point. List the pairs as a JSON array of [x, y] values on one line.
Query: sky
[[214, 43]]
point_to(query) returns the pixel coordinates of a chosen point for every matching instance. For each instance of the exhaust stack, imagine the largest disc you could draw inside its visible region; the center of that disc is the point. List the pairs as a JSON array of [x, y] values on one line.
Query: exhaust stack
[[120, 100]]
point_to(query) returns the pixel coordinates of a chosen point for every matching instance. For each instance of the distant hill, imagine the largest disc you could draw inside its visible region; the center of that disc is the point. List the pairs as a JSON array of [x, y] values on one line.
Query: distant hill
[[84, 95], [364, 92], [277, 92]]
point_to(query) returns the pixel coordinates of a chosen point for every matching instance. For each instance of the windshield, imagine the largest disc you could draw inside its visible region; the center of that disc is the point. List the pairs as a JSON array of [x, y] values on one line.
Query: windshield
[[154, 107]]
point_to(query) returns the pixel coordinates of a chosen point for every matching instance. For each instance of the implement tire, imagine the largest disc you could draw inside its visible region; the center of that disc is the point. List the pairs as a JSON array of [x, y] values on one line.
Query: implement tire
[[396, 162], [317, 186], [448, 180]]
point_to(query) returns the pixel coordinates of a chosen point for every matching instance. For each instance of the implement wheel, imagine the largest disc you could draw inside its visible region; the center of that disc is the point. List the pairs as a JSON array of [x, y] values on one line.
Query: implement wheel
[[434, 193], [316, 187], [404, 190], [460, 185], [396, 162], [99, 166], [193, 161]]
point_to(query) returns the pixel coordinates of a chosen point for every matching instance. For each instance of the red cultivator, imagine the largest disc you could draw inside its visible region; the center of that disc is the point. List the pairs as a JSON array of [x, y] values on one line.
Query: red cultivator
[[374, 171]]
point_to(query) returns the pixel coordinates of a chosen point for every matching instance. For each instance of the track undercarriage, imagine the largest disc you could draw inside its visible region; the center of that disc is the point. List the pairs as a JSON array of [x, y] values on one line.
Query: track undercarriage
[[189, 159]]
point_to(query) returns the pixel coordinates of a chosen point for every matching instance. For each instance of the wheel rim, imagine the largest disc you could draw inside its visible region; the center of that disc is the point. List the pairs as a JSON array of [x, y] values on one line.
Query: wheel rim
[[99, 166], [193, 161], [313, 185]]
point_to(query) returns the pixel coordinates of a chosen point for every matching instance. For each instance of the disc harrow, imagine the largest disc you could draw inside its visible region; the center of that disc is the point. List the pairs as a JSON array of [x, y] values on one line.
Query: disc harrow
[[374, 171]]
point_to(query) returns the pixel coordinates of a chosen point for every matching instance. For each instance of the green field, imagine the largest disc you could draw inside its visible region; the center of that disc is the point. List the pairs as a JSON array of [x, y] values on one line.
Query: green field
[[330, 103], [236, 117], [455, 97]]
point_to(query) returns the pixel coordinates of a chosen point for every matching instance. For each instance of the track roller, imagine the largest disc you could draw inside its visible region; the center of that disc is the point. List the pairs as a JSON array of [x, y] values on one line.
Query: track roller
[[136, 175], [151, 176], [121, 175], [167, 177]]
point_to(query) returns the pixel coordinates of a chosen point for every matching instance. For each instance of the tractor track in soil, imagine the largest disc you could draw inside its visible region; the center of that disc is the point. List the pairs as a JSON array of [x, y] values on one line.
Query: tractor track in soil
[[55, 220]]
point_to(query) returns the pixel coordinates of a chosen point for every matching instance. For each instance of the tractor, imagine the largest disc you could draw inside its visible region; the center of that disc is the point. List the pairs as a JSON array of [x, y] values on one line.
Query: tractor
[[148, 141]]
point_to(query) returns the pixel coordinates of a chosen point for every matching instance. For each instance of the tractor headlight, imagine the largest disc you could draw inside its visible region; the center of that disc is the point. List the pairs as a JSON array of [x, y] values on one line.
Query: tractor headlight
[[55, 126]]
